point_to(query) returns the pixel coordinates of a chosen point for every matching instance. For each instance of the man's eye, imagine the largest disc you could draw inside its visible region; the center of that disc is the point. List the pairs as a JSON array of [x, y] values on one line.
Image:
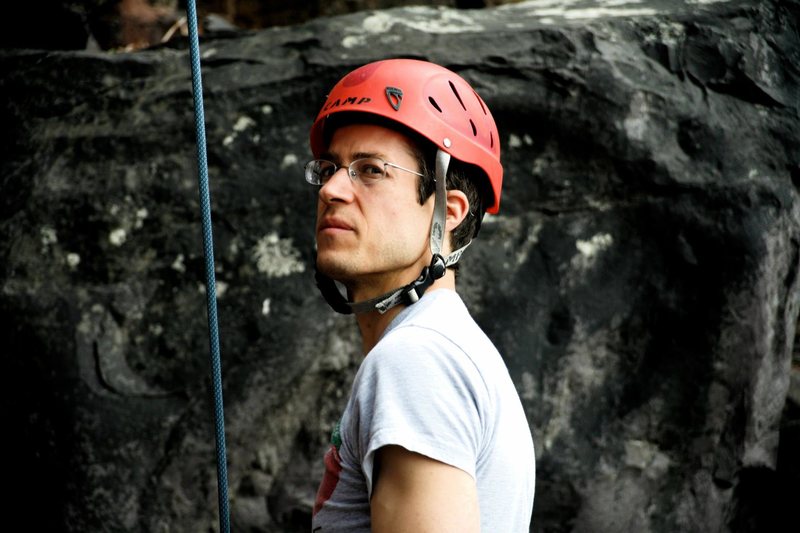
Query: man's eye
[[373, 171], [326, 171]]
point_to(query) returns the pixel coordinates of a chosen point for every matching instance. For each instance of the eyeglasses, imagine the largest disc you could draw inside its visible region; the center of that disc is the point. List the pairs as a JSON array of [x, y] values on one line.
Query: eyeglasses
[[368, 170]]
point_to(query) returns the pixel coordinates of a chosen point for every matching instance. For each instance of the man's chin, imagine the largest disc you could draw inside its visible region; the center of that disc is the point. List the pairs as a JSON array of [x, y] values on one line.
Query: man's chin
[[334, 269]]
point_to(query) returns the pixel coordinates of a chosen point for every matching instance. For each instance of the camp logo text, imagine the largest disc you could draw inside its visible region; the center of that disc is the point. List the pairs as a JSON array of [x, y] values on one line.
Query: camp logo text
[[351, 100]]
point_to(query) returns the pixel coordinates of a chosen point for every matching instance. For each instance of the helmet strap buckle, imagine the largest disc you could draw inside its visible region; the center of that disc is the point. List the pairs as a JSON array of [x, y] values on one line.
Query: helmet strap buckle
[[436, 270]]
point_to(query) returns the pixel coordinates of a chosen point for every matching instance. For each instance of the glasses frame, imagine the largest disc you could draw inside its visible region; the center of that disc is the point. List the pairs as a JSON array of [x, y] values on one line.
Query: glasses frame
[[352, 174]]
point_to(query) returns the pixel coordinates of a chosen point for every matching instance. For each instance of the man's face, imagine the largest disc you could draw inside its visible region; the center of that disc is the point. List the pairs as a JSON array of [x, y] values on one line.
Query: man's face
[[373, 238]]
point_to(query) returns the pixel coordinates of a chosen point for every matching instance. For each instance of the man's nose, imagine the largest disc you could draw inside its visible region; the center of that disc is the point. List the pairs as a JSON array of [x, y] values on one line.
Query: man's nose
[[339, 187]]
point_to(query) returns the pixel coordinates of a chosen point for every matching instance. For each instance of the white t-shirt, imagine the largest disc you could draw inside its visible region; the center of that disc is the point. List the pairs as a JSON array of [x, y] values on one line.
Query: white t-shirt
[[434, 384]]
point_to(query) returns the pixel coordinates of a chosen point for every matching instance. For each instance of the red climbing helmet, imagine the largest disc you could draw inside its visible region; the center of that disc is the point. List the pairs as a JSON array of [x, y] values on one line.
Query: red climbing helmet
[[428, 99]]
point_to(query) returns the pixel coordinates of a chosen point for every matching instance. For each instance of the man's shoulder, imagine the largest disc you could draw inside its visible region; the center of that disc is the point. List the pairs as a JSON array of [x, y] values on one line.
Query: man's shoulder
[[436, 311], [440, 327]]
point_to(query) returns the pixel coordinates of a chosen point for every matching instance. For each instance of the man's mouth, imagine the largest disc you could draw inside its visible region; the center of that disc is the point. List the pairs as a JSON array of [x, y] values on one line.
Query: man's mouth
[[334, 224]]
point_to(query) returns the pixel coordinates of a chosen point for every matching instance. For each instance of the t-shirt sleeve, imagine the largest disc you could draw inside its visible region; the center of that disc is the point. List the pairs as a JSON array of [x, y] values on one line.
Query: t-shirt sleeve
[[418, 390]]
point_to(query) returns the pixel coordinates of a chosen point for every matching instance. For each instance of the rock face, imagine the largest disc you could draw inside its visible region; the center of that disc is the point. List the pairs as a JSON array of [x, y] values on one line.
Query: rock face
[[134, 24], [641, 279]]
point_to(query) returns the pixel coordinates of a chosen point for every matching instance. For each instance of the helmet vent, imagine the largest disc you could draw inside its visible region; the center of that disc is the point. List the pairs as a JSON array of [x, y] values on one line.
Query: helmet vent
[[491, 139], [480, 102], [434, 104], [455, 92], [474, 129]]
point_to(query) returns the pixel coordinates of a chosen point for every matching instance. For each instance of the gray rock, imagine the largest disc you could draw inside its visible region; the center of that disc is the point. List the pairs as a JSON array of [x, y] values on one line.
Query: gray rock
[[641, 279]]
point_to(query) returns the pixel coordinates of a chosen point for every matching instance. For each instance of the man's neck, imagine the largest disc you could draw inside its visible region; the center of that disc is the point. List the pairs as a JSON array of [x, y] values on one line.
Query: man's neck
[[373, 324]]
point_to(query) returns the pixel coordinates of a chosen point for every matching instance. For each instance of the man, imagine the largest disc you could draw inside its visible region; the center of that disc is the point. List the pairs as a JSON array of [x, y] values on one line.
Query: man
[[434, 437]]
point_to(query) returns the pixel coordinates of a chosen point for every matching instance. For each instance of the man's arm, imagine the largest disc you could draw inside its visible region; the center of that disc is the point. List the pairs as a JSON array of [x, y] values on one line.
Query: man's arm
[[415, 494]]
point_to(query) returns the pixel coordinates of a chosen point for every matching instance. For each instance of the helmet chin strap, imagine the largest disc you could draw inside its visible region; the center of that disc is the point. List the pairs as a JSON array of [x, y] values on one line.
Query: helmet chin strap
[[412, 292]]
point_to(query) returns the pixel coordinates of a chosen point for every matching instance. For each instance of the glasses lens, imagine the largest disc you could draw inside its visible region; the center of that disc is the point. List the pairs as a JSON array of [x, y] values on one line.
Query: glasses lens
[[318, 171], [369, 170]]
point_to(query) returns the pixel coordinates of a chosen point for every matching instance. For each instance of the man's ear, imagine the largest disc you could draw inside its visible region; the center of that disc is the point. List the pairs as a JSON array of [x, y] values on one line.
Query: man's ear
[[457, 209]]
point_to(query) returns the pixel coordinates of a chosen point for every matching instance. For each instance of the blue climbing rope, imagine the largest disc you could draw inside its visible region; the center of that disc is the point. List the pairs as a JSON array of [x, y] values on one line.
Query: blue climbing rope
[[211, 285]]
